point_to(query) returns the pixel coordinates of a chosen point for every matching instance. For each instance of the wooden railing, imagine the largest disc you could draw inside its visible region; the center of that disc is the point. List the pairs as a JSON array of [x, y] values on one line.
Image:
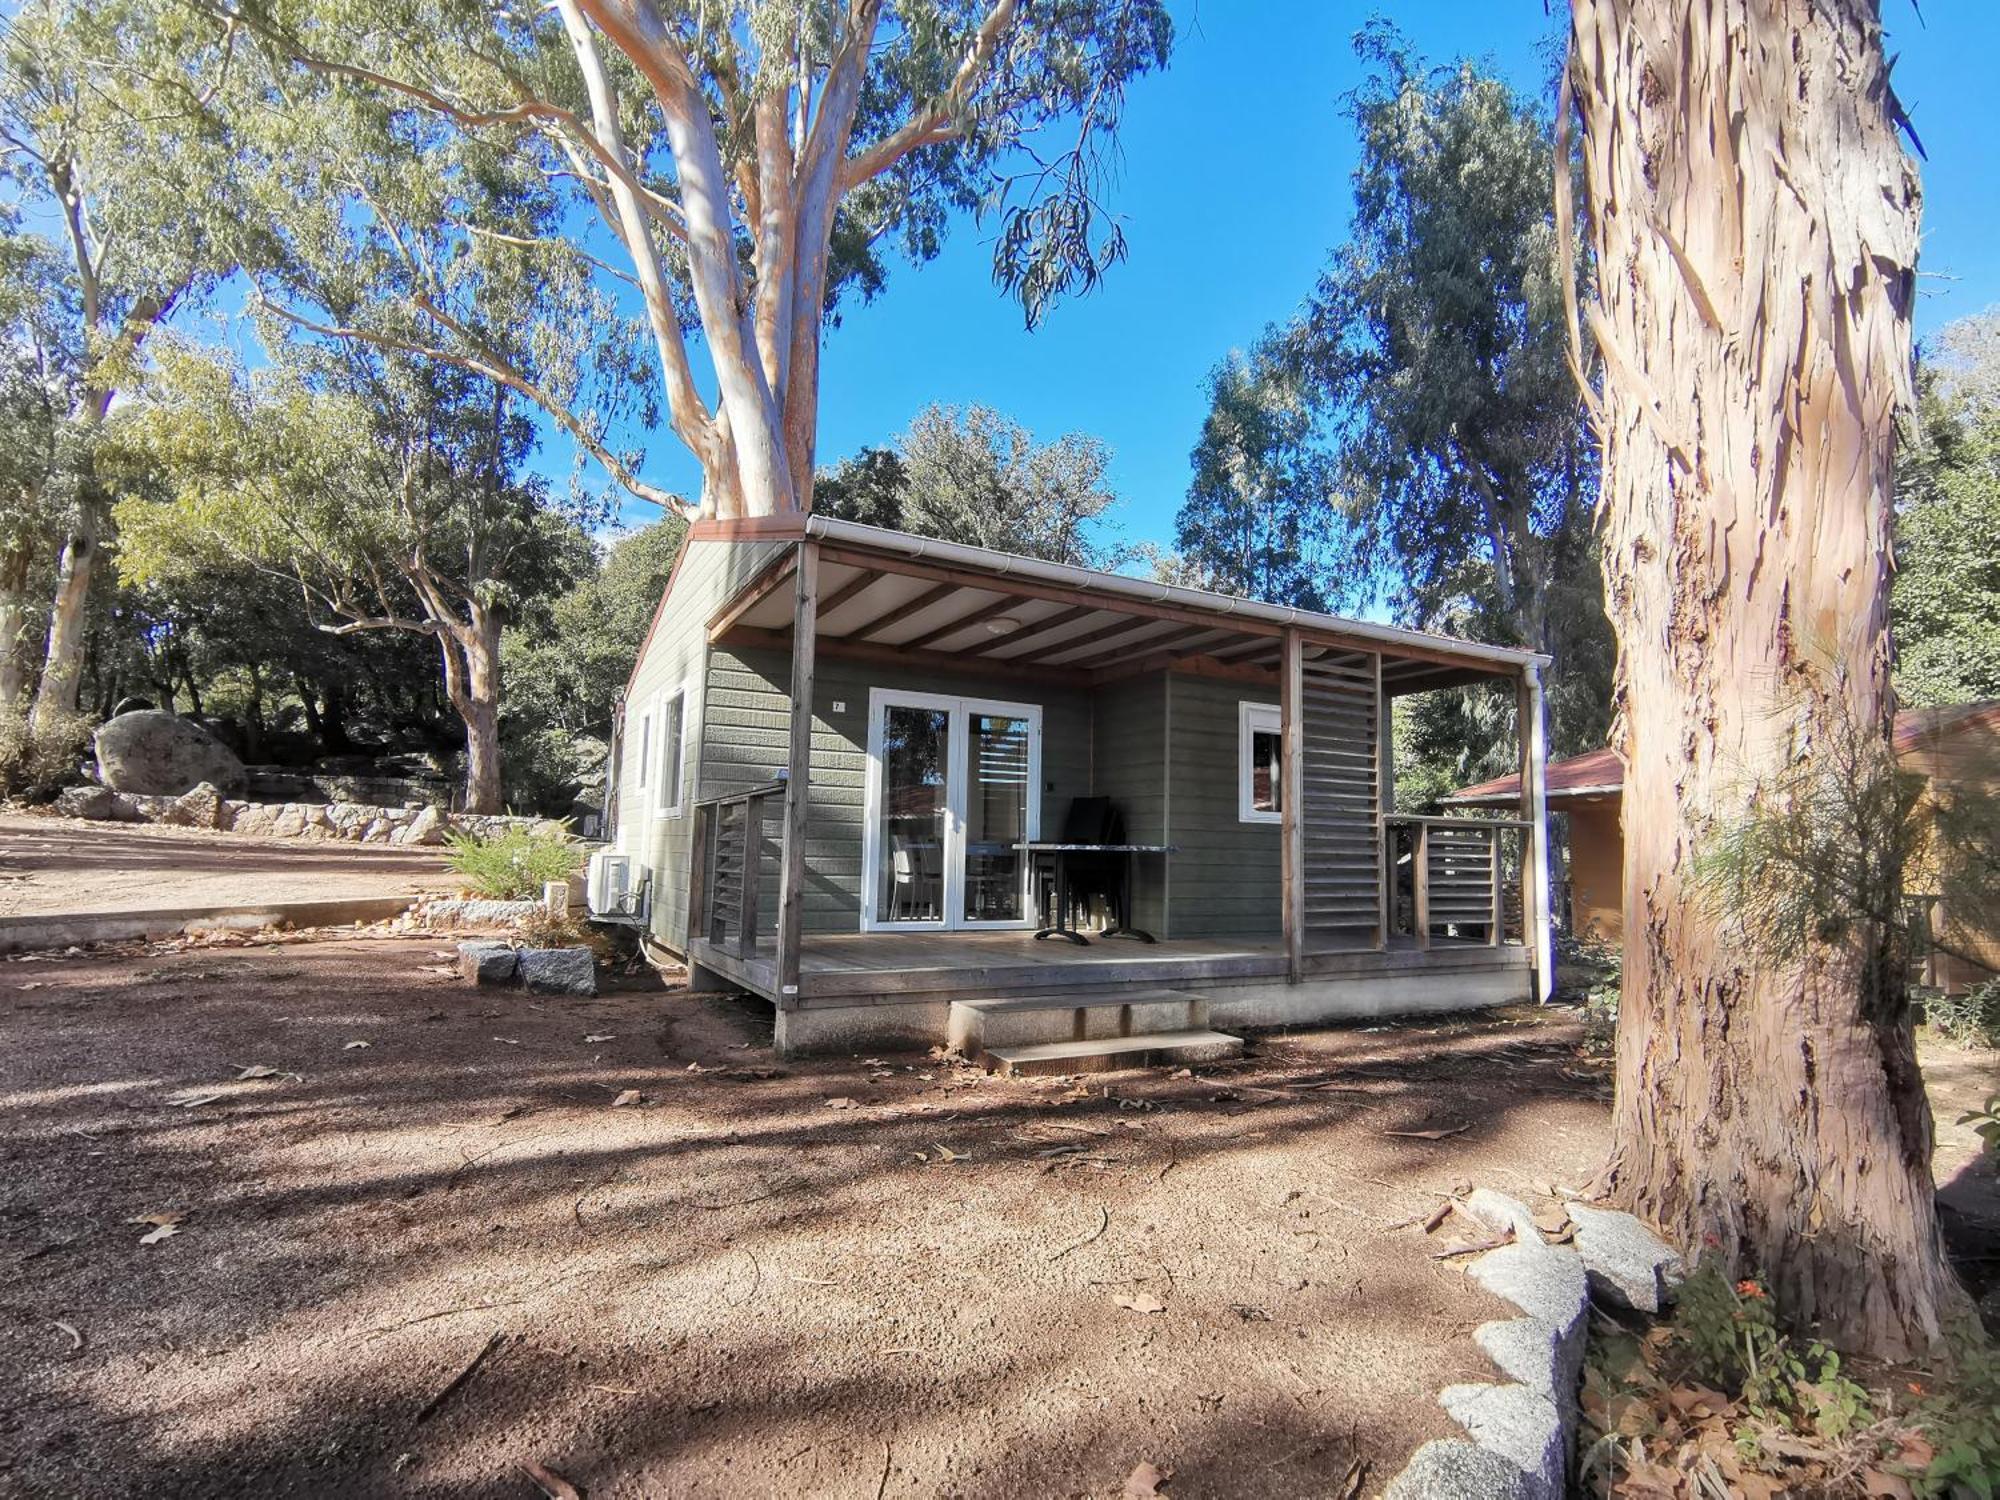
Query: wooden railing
[[727, 872], [1463, 880]]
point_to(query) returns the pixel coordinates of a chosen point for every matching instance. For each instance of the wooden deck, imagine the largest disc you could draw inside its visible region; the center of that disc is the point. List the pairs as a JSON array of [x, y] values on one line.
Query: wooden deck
[[861, 968]]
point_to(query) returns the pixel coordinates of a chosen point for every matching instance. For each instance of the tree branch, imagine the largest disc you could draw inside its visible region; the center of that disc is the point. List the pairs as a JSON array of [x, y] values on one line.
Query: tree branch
[[940, 122]]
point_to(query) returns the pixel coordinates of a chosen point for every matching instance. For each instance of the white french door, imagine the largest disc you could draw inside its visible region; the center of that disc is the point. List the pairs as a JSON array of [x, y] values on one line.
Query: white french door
[[953, 785]]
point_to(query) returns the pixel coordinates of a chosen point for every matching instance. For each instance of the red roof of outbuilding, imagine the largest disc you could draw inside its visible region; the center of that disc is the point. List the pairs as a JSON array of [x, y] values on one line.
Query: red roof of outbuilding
[[1597, 772]]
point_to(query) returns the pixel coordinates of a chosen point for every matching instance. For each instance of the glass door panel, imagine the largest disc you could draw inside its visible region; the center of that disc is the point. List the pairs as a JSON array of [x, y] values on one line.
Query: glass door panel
[[998, 785], [914, 813]]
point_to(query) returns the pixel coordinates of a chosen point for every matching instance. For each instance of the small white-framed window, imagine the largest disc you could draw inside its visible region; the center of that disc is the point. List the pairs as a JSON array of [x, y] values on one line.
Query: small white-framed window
[[673, 755], [645, 777], [1260, 767]]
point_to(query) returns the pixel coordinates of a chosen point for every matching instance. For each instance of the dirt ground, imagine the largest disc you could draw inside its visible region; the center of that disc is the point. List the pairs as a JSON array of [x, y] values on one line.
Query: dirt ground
[[739, 1285], [839, 1277], [51, 865]]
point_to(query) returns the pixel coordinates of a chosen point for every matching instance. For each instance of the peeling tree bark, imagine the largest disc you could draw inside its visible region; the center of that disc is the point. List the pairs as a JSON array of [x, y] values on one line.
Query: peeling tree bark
[[16, 560], [1755, 224]]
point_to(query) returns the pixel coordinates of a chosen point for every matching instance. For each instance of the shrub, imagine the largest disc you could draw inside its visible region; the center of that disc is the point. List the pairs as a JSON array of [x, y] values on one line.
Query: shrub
[[514, 866], [542, 928], [1968, 1020], [37, 765]]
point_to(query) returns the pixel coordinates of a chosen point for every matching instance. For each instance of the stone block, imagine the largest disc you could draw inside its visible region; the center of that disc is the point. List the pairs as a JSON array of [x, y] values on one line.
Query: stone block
[[559, 971], [1453, 1469], [154, 753], [1520, 1426], [199, 807], [487, 963], [94, 802], [1628, 1264]]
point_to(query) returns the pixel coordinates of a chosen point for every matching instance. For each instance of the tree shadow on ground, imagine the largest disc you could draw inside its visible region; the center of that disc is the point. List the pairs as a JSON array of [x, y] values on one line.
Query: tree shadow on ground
[[740, 1284]]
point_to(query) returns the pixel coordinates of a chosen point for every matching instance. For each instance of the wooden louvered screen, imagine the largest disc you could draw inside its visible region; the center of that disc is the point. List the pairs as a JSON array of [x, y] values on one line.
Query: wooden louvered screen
[[1461, 866], [1339, 823]]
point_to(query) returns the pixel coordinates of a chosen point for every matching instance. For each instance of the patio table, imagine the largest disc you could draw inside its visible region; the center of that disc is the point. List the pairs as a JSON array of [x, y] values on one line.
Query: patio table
[[1061, 851]]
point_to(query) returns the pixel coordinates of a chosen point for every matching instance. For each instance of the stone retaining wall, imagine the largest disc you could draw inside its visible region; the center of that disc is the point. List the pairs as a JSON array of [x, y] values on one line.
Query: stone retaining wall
[[353, 822]]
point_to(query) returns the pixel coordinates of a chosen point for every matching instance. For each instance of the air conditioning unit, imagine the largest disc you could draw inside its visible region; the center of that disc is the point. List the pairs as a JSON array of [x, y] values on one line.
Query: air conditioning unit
[[613, 888]]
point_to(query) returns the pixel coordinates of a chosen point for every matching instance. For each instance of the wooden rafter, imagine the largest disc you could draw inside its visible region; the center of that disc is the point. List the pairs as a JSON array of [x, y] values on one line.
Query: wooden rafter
[[865, 579], [1193, 643], [754, 593], [903, 612], [1129, 626], [999, 606], [1031, 630]]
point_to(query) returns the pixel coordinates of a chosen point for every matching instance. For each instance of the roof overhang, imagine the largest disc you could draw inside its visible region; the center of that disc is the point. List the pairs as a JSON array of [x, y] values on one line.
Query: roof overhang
[[919, 601]]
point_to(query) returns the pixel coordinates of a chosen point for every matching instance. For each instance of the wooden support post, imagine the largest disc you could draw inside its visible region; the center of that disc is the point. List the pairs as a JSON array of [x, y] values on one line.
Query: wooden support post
[[798, 772], [750, 890], [1291, 801], [1499, 916], [697, 912], [1536, 928], [1420, 882], [1385, 799]]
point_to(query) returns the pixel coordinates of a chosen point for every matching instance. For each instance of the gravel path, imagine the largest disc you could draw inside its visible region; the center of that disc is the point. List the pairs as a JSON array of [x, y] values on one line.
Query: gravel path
[[51, 865]]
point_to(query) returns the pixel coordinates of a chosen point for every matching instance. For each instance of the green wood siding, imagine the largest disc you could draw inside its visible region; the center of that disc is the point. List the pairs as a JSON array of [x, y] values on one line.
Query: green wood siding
[[675, 657], [1130, 767], [1226, 881]]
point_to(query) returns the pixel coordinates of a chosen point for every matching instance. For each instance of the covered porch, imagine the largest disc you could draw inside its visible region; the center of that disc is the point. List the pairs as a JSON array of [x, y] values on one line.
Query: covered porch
[[1354, 893]]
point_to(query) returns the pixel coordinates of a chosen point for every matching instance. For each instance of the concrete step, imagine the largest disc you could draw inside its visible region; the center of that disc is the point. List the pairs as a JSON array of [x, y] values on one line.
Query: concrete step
[[974, 1026], [1108, 1054]]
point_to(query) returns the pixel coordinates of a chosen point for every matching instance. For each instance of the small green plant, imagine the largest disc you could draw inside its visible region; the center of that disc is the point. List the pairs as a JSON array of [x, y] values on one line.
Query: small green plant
[[1731, 1337], [1962, 1421], [1985, 1123], [1968, 1020], [514, 866]]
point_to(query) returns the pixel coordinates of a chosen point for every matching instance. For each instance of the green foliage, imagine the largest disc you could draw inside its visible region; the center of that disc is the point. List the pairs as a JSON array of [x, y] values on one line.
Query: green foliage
[[1729, 1335], [567, 671], [37, 760], [1258, 512], [514, 866], [1820, 855], [1961, 1417], [1985, 1122], [972, 475], [1971, 1019], [1946, 601]]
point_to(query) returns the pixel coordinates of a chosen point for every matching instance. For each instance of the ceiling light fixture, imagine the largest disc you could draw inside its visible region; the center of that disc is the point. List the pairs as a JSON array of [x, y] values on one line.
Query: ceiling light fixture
[[1001, 624]]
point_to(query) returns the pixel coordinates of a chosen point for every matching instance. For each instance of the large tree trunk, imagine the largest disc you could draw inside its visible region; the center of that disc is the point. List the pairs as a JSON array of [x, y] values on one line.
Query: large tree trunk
[[472, 681], [1755, 224], [16, 561], [62, 666]]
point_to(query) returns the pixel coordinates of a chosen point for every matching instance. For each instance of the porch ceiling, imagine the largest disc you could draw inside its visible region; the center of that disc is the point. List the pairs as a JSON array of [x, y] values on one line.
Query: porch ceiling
[[1016, 626]]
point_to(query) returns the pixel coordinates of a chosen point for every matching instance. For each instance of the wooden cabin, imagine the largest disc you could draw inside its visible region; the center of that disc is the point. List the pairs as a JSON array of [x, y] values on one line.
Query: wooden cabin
[[844, 753]]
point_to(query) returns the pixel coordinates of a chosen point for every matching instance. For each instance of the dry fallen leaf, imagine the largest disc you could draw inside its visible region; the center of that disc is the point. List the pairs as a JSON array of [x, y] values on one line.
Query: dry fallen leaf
[[258, 1070], [601, 1036], [1430, 1135], [354, 1044], [1885, 1486], [165, 1226], [945, 1153], [192, 1099], [75, 1338], [840, 1102], [550, 1483], [1140, 1302], [164, 1232], [1145, 1482], [630, 1096]]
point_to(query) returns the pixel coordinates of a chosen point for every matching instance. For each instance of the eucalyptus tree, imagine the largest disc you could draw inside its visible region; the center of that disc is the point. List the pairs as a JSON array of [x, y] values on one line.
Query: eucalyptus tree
[[107, 138], [1754, 222], [973, 475], [1259, 519], [582, 200], [389, 493], [1437, 331]]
